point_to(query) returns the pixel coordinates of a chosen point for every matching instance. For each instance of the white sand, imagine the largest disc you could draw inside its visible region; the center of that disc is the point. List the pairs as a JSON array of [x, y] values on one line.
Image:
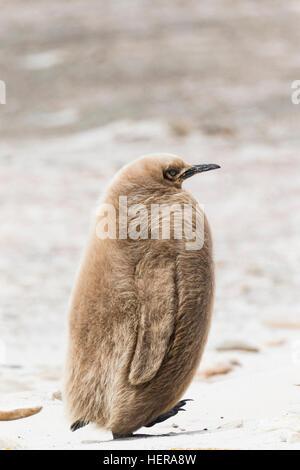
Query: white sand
[[50, 189], [255, 411]]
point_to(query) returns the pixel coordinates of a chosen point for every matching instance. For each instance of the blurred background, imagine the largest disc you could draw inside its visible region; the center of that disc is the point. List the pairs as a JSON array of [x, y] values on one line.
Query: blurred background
[[91, 85]]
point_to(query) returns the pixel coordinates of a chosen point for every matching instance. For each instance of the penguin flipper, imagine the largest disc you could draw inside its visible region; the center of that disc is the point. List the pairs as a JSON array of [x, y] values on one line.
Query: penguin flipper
[[157, 309]]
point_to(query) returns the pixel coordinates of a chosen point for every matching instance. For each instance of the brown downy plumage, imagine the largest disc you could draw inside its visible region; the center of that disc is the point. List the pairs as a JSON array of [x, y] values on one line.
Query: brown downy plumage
[[140, 309]]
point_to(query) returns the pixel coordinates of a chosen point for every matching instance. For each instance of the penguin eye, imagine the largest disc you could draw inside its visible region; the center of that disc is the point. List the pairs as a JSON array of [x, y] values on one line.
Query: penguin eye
[[172, 172]]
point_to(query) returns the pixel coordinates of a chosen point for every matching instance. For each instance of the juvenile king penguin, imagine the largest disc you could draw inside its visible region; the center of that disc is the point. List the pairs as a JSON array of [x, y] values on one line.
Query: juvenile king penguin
[[142, 302]]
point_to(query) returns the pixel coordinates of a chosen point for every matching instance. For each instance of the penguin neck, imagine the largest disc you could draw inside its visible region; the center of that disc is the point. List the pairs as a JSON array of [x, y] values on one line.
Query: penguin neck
[[143, 194]]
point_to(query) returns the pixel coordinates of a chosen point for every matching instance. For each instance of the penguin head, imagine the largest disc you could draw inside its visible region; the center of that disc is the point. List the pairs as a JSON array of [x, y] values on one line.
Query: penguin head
[[163, 170]]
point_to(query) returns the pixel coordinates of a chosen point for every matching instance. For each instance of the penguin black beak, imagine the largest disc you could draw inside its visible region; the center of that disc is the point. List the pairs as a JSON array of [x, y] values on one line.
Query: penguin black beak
[[199, 169]]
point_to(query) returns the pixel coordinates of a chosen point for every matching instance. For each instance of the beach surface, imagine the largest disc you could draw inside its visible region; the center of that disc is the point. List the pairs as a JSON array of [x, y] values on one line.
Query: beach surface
[[246, 393], [91, 89]]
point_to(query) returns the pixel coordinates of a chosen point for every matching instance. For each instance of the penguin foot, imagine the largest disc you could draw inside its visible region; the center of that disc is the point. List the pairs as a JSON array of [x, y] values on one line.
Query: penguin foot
[[121, 436], [169, 414], [77, 425]]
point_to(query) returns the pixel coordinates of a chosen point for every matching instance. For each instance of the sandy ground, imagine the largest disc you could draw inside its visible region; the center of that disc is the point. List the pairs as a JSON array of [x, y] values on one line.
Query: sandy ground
[[90, 89], [251, 204]]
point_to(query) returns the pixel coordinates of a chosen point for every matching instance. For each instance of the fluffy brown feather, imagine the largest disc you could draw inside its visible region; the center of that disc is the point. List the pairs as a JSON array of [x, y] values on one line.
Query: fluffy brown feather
[[140, 312]]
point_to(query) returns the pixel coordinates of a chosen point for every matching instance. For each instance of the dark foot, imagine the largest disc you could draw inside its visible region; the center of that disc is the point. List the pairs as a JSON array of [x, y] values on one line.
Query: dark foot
[[77, 425], [121, 436], [169, 414]]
